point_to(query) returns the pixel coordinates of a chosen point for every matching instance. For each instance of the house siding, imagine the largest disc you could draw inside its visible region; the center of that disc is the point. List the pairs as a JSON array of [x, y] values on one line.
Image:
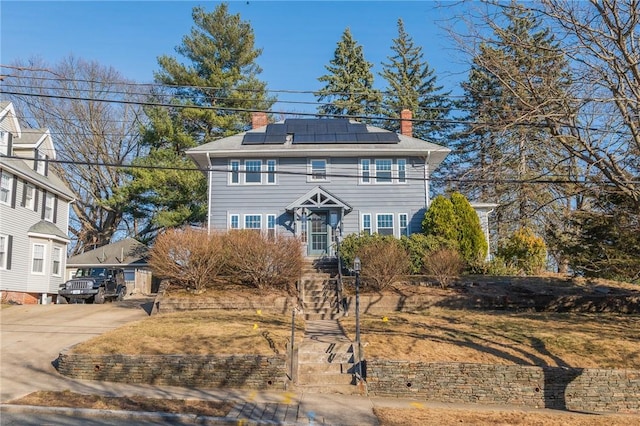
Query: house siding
[[292, 183]]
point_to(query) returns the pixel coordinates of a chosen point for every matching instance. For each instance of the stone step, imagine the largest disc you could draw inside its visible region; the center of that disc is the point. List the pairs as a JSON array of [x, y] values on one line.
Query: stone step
[[335, 389], [327, 368], [325, 358], [315, 304], [323, 316], [326, 379], [326, 347]]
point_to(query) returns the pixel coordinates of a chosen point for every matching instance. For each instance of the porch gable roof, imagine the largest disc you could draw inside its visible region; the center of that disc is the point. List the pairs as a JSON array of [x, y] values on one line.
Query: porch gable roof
[[319, 197]]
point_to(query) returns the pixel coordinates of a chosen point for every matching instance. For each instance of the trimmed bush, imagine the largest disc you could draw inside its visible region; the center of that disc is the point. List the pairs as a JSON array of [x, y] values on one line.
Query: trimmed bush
[[445, 265], [471, 240], [384, 260], [524, 251], [440, 219], [419, 245]]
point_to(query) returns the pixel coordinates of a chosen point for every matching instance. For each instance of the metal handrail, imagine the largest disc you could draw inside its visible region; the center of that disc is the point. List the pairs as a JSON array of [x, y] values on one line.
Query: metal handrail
[[339, 280]]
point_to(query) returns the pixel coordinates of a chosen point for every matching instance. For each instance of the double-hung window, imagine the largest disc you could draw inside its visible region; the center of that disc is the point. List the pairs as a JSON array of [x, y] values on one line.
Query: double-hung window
[[4, 142], [317, 170], [384, 224], [366, 223], [271, 172], [30, 196], [253, 171], [6, 188], [234, 172], [253, 221], [271, 226], [402, 170], [49, 207], [57, 260], [383, 171], [37, 265], [404, 224], [5, 251], [234, 221], [365, 170]]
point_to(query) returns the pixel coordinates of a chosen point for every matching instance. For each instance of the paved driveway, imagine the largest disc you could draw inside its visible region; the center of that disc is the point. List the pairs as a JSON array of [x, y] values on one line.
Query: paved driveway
[[32, 336]]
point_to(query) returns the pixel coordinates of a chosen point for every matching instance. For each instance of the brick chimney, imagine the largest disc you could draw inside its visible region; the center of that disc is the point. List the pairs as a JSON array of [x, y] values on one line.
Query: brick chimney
[[258, 119], [406, 125]]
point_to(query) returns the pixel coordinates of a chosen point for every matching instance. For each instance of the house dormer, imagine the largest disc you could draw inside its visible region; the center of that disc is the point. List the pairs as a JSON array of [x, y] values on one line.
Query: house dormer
[[9, 128]]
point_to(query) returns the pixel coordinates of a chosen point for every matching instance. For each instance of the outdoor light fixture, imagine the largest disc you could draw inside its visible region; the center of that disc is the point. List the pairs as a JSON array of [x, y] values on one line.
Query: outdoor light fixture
[[356, 264]]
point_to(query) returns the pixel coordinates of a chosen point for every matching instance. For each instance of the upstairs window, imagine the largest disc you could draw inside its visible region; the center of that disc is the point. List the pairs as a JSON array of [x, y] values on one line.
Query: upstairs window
[[383, 171], [253, 170], [271, 171], [234, 172], [30, 196], [41, 162], [6, 188], [402, 171], [317, 170], [49, 207], [365, 170], [4, 142]]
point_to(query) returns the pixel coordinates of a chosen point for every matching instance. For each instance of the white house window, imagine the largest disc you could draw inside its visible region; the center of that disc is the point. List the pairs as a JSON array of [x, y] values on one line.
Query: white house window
[[41, 162], [402, 171], [4, 142], [365, 170], [384, 224], [271, 225], [404, 224], [5, 251], [366, 223], [234, 221], [57, 259], [317, 170], [48, 207], [234, 172], [383, 171], [253, 221], [271, 171], [37, 267], [252, 171], [30, 196], [6, 186]]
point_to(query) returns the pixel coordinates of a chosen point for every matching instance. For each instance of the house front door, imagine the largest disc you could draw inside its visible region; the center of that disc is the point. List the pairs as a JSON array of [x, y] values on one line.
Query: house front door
[[318, 234]]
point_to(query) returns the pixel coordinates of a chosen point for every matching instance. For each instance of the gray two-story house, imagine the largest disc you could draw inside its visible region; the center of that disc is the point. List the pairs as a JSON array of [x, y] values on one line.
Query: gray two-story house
[[34, 214], [317, 179]]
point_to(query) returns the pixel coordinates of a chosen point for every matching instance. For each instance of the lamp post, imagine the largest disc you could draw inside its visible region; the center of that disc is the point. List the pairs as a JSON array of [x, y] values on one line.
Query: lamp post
[[356, 267]]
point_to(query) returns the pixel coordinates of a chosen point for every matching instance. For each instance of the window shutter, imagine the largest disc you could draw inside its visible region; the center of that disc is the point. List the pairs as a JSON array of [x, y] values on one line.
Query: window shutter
[[55, 209], [9, 246], [36, 201], [24, 194], [44, 204], [14, 192]]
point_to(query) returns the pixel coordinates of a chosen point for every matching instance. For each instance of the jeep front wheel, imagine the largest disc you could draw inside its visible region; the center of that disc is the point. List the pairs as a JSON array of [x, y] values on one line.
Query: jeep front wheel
[[121, 293], [99, 298]]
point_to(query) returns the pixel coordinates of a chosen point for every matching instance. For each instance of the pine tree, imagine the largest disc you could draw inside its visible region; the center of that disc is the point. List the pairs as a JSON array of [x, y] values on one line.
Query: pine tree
[[412, 85], [349, 84], [211, 90], [471, 241]]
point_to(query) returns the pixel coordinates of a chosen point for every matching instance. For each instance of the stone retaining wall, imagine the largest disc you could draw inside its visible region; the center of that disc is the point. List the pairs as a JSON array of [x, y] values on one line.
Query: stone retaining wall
[[198, 371], [164, 304], [575, 389]]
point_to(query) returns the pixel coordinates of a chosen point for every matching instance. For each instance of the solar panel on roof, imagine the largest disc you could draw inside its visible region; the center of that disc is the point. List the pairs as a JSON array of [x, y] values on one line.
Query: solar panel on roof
[[356, 128], [302, 138], [276, 129], [388, 137], [253, 139], [274, 139]]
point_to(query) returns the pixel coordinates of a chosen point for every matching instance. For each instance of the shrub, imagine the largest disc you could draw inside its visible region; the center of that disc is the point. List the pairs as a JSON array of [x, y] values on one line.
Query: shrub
[[440, 219], [419, 245], [524, 251], [445, 265], [472, 244], [353, 243], [258, 261], [383, 261], [189, 258]]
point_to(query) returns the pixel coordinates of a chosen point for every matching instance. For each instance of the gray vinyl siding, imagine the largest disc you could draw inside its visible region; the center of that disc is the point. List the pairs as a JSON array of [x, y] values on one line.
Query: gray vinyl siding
[[16, 222], [292, 183]]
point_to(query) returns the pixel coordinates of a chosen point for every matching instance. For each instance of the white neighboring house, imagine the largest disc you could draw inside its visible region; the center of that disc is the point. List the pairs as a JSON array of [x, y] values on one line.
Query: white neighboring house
[[34, 214]]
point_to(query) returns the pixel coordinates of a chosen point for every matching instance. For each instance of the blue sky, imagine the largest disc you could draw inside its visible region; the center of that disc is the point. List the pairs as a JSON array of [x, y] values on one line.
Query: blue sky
[[298, 38]]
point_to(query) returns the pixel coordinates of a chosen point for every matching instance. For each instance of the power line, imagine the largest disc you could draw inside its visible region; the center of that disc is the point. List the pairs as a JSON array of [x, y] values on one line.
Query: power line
[[535, 181]]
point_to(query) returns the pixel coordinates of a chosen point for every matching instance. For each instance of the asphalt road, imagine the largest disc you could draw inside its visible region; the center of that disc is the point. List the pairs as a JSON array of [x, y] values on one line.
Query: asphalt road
[[32, 336]]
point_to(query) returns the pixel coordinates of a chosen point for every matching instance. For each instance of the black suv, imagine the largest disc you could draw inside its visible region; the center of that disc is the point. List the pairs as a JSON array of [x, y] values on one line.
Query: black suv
[[94, 285]]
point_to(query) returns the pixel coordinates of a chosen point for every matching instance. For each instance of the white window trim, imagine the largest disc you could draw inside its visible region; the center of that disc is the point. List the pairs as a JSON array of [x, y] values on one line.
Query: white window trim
[[3, 264], [390, 171], [244, 220], [4, 142], [393, 225], [30, 203], [275, 224], [53, 260], [361, 171], [47, 208], [362, 228], [396, 166], [230, 178], [33, 258], [310, 177], [246, 173], [406, 216], [9, 189], [231, 216], [269, 172]]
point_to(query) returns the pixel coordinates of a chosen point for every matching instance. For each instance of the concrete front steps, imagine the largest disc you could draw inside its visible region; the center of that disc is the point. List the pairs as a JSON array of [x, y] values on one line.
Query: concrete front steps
[[319, 289]]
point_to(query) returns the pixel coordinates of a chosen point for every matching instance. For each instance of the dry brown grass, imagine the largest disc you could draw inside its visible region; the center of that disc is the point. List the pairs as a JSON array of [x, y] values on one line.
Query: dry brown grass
[[198, 333], [129, 403], [542, 339], [448, 416]]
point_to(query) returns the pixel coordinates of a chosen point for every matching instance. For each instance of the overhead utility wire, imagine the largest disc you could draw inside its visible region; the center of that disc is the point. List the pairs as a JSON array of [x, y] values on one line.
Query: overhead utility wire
[[293, 173]]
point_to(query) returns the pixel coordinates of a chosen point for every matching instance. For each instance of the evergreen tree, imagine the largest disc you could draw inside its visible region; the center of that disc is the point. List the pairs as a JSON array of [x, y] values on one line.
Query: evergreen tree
[[440, 220], [471, 240], [349, 84], [412, 85], [212, 92]]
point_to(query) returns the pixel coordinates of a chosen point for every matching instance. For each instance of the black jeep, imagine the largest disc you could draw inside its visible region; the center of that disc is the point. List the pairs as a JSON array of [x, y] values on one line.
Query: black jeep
[[94, 285]]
